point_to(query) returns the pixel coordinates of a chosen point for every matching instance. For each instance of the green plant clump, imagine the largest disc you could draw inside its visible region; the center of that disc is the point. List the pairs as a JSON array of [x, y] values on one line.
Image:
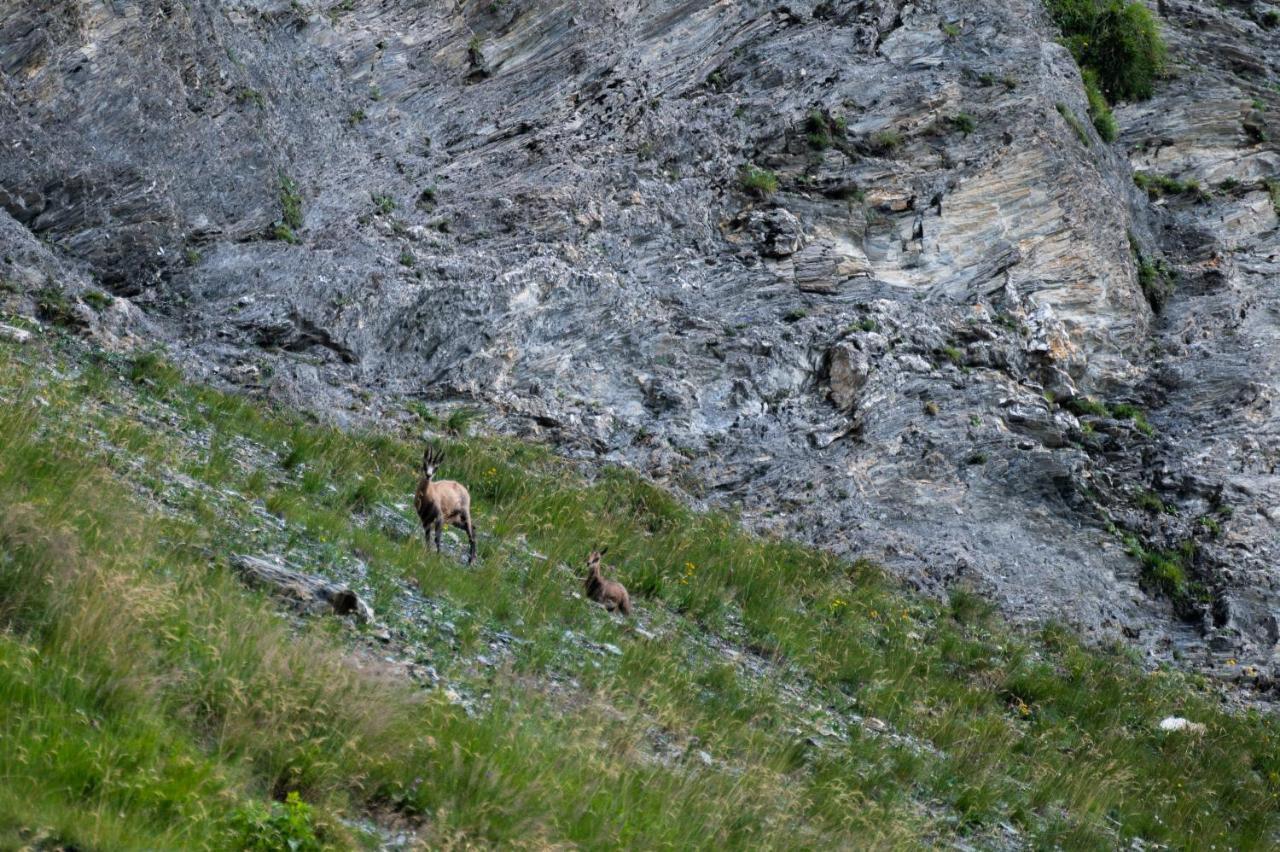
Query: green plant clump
[[963, 122], [1156, 278], [53, 306], [290, 202], [281, 826], [1104, 121], [885, 142], [1075, 123], [1159, 186], [1118, 40], [757, 181]]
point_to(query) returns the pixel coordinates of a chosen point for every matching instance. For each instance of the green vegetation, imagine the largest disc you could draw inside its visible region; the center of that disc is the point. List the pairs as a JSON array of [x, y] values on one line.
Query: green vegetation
[[886, 142], [963, 122], [149, 700], [950, 30], [1117, 40], [290, 221], [954, 354], [1156, 278], [54, 306], [288, 826], [357, 116], [1104, 121], [1151, 502], [756, 181], [338, 9], [251, 96], [383, 203], [822, 129], [1273, 189], [1087, 406], [1075, 123], [191, 256], [96, 299], [1160, 186], [1168, 573], [290, 202]]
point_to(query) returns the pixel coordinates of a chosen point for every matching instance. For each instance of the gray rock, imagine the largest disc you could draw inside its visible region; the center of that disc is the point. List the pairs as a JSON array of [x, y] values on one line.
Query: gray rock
[[549, 221]]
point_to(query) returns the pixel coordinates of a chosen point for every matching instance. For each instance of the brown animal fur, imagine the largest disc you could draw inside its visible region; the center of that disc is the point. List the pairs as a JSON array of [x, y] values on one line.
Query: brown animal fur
[[611, 593], [442, 502]]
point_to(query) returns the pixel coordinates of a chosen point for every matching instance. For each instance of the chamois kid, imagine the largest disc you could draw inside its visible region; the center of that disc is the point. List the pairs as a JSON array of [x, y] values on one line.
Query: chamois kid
[[611, 593], [442, 502]]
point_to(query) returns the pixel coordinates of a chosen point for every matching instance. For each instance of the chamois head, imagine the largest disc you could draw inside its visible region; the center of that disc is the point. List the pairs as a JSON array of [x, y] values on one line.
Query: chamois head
[[593, 561], [431, 458]]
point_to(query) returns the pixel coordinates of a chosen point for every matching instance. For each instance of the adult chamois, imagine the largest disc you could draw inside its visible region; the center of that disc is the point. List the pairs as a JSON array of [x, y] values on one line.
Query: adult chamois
[[442, 502], [611, 593]]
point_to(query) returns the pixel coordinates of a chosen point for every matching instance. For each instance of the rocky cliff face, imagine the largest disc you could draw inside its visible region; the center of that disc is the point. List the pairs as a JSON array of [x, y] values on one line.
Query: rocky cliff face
[[931, 345]]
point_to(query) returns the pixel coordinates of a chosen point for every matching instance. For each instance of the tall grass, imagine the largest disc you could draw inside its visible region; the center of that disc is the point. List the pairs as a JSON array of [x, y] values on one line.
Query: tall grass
[[178, 700]]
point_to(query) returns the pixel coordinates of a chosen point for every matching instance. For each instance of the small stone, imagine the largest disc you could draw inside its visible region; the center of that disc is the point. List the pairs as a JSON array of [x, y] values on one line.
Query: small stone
[[1177, 723], [705, 758], [14, 334]]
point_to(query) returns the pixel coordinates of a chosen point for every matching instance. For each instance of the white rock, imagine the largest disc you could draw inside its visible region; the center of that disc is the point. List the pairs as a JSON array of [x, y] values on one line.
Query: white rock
[[1177, 723], [13, 333]]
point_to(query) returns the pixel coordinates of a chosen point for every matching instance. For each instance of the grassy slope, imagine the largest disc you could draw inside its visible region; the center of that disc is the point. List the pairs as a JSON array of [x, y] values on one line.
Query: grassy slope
[[774, 696]]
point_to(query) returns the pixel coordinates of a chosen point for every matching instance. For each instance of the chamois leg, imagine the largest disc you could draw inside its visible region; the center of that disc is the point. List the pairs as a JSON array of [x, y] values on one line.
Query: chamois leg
[[471, 538], [439, 528]]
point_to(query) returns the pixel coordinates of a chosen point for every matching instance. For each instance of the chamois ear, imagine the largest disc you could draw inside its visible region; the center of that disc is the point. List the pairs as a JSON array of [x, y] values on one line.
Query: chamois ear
[[604, 550]]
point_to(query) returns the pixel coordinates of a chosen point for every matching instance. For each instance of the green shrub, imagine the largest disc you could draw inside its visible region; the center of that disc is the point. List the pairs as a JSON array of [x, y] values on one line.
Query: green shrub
[[282, 232], [96, 299], [1086, 406], [1128, 411], [818, 130], [54, 306], [383, 203], [288, 826], [886, 141], [963, 122], [460, 420], [1104, 121], [1118, 39], [1160, 186], [1151, 502], [153, 369], [1154, 277], [757, 181], [290, 202]]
